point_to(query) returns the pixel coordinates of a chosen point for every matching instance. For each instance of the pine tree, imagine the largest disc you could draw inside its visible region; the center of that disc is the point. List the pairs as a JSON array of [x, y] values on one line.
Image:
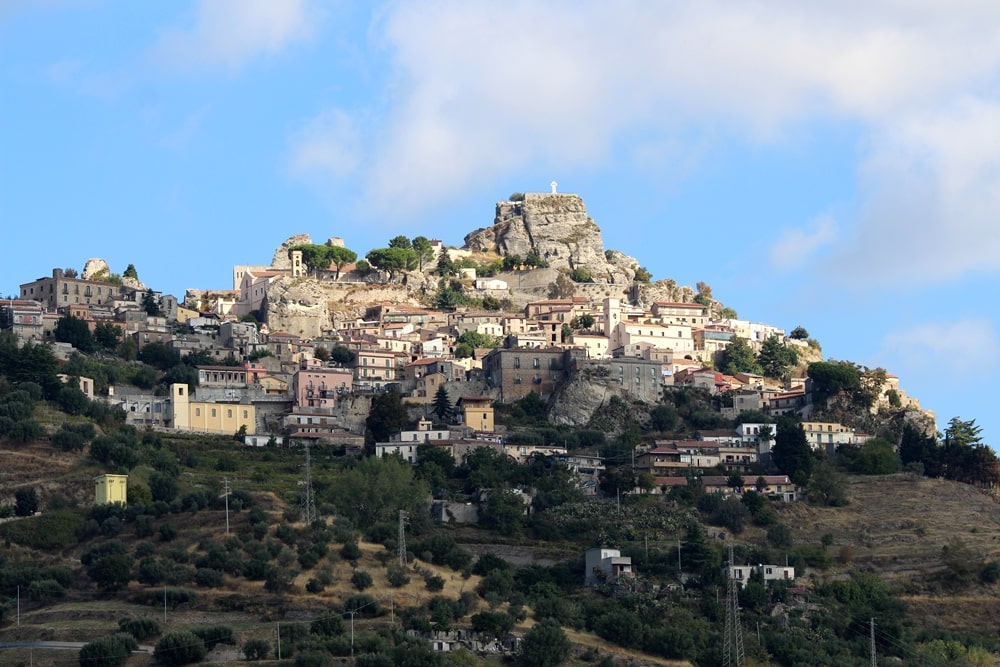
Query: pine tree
[[442, 404]]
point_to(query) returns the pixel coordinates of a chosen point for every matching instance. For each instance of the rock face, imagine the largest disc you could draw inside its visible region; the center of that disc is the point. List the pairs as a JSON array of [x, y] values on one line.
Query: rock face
[[281, 260], [558, 229], [94, 267], [297, 306], [586, 390]]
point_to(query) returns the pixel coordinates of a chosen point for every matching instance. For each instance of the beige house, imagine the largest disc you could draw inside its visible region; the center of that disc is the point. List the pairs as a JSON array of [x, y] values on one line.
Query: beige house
[[188, 415], [110, 489], [477, 412]]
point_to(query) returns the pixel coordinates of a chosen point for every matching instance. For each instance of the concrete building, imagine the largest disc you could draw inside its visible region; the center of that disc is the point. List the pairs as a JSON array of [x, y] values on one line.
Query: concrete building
[[605, 566], [771, 573], [518, 372], [188, 415], [23, 317], [59, 291], [110, 489]]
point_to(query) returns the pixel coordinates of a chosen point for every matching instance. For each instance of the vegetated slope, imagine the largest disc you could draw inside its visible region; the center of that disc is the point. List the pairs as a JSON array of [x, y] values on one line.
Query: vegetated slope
[[898, 526]]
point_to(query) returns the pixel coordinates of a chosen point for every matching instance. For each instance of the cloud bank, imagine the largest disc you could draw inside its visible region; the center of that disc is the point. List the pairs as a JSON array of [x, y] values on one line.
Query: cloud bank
[[480, 90]]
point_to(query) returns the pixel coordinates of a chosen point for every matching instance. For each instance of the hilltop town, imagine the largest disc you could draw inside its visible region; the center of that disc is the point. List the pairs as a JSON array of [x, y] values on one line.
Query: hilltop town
[[530, 399], [533, 304]]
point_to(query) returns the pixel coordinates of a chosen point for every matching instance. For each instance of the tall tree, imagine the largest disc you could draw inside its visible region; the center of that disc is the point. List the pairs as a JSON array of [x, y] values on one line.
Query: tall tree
[[393, 259], [340, 257], [386, 417], [76, 332], [25, 501], [791, 452], [374, 490], [739, 357], [107, 335], [151, 304], [400, 242], [442, 404], [423, 249], [130, 272], [446, 265], [775, 357]]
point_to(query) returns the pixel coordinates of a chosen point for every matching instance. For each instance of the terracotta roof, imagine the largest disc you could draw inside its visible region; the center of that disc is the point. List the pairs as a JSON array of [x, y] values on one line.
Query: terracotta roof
[[677, 304], [671, 481]]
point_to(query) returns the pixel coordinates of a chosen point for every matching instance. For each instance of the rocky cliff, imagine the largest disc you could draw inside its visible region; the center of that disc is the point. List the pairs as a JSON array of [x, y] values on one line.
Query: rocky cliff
[[558, 229]]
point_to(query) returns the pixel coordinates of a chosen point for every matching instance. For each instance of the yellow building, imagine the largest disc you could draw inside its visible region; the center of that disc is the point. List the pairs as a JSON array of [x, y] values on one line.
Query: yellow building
[[227, 418], [477, 412], [110, 489]]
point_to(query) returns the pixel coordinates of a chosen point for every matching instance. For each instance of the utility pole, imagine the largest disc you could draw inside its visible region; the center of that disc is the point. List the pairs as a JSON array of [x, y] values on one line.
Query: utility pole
[[872, 625], [226, 480], [310, 507], [278, 625], [733, 655], [352, 613], [402, 538]]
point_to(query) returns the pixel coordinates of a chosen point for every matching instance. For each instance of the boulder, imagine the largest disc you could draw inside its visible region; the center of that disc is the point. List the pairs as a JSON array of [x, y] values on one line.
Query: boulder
[[95, 267], [281, 260]]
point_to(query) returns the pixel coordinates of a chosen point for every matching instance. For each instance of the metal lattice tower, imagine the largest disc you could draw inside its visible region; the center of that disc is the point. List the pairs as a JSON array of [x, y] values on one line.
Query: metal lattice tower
[[307, 499], [734, 654], [402, 538]]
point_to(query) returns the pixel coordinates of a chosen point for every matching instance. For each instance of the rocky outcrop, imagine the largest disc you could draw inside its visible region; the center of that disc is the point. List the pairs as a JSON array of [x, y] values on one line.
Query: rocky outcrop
[[99, 269], [298, 306], [281, 260], [558, 229], [586, 391], [95, 267]]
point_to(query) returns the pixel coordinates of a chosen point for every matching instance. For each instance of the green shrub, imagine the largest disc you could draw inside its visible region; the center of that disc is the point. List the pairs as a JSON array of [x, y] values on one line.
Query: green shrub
[[110, 651], [179, 648], [140, 628], [256, 649], [361, 580]]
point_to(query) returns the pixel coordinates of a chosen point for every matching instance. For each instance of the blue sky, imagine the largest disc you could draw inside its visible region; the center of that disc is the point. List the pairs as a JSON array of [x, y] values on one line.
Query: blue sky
[[834, 167]]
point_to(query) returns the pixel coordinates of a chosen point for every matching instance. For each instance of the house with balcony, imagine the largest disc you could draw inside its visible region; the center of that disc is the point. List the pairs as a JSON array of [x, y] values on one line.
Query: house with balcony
[[606, 566], [317, 386], [23, 317]]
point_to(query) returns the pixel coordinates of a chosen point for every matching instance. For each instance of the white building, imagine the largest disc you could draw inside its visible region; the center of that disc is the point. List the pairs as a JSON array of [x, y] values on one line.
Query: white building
[[605, 565], [741, 573]]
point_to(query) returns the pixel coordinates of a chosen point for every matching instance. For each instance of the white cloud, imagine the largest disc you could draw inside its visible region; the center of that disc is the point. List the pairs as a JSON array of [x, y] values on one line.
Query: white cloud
[[328, 145], [229, 33], [933, 348], [795, 247], [480, 91]]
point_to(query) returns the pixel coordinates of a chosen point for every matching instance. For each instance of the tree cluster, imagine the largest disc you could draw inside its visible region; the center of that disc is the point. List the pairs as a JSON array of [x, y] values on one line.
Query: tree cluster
[[775, 358]]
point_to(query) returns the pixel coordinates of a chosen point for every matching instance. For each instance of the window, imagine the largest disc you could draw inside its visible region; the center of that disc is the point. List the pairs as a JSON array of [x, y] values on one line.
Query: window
[[535, 363], [517, 362], [517, 379], [213, 412], [197, 412], [229, 413], [180, 391]]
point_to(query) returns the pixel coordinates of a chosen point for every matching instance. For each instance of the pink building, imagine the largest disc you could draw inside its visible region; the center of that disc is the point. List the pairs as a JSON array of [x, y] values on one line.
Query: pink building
[[314, 385]]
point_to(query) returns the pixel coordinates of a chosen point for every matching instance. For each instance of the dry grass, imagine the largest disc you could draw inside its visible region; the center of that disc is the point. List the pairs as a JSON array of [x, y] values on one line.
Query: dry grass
[[899, 523], [897, 526]]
